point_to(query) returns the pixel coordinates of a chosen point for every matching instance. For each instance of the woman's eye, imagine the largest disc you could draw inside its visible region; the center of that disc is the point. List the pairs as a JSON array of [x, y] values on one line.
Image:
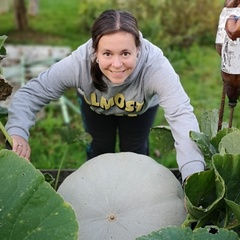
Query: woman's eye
[[107, 54], [125, 54]]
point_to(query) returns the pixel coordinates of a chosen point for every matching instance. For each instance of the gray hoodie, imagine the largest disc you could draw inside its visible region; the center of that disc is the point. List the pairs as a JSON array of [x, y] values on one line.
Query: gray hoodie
[[153, 82]]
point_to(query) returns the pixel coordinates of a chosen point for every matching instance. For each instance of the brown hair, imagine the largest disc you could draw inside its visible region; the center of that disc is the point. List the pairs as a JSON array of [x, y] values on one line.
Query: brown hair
[[110, 21]]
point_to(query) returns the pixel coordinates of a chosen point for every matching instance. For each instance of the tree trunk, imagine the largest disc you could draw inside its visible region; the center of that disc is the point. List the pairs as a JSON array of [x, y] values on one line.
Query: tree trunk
[[20, 13]]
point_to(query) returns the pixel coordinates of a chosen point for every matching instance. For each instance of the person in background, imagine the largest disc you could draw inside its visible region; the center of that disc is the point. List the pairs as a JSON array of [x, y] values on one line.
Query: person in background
[[121, 79], [228, 46]]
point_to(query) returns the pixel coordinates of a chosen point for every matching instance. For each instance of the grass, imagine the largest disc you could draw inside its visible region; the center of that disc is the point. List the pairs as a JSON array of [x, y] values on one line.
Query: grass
[[57, 24]]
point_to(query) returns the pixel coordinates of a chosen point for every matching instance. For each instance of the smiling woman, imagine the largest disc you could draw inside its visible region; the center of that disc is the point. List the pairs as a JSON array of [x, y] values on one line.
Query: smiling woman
[[121, 79]]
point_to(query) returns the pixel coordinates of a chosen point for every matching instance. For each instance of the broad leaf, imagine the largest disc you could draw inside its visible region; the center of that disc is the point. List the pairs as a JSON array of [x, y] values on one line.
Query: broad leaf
[[164, 138], [213, 232], [169, 233], [204, 194], [230, 143], [30, 207], [209, 122], [228, 166], [213, 196], [203, 142], [181, 233], [233, 216], [217, 139]]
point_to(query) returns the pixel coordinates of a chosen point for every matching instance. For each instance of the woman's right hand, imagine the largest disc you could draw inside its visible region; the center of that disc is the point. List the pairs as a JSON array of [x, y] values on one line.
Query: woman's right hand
[[21, 147]]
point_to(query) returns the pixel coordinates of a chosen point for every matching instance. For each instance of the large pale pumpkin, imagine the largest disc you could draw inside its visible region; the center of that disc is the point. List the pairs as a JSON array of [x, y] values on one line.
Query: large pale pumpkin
[[122, 196]]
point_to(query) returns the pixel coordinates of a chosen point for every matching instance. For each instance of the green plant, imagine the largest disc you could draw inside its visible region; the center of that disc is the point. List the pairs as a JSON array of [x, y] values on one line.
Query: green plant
[[183, 24], [68, 135], [29, 207], [48, 143], [189, 21], [71, 136], [213, 196], [182, 233], [5, 88]]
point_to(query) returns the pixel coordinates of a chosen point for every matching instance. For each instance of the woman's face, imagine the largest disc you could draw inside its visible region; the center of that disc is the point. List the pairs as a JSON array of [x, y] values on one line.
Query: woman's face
[[117, 56]]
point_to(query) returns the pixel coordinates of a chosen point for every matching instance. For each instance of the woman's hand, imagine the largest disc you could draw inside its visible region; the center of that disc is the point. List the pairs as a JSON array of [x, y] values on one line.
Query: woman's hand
[[232, 27], [21, 146]]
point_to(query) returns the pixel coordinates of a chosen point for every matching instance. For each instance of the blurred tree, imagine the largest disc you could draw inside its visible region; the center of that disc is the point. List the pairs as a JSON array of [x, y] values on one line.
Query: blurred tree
[[20, 14], [167, 23], [189, 21]]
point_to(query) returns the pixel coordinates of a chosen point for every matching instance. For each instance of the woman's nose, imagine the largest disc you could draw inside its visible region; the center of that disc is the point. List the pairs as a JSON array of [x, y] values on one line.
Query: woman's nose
[[117, 62]]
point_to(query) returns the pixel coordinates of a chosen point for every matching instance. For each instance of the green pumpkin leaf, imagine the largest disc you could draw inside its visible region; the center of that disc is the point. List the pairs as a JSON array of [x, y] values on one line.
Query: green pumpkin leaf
[[209, 122], [169, 233], [228, 166], [29, 207], [204, 196], [217, 139], [214, 233], [204, 143], [181, 233], [164, 138], [235, 209], [231, 143]]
